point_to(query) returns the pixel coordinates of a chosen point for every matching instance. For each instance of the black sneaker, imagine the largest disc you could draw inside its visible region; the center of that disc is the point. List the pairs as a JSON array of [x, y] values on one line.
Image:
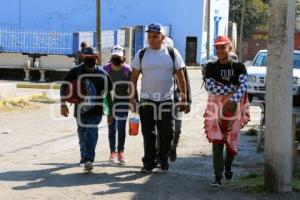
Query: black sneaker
[[82, 161], [228, 174], [157, 164], [173, 155], [164, 166], [146, 170], [88, 166], [217, 182]]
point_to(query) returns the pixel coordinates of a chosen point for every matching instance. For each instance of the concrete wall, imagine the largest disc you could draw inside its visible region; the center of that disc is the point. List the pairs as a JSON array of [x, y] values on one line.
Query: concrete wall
[[59, 15], [184, 17]]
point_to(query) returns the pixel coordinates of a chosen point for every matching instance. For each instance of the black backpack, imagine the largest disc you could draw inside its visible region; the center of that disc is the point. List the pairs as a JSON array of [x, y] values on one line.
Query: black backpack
[[172, 54]]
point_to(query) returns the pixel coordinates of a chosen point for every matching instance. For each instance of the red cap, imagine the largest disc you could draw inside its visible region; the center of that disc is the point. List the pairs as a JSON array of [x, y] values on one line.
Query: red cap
[[222, 40]]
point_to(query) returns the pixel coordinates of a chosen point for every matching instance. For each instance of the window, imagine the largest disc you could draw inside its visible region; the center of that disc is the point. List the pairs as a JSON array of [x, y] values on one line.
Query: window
[[261, 60], [297, 61]]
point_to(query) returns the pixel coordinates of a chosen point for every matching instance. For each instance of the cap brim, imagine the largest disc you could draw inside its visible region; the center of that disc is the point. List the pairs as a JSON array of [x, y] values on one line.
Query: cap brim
[[151, 30], [221, 43], [121, 54]]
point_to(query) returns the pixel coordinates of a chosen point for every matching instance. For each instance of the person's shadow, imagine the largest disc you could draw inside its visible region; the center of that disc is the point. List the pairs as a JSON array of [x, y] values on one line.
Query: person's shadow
[[52, 178]]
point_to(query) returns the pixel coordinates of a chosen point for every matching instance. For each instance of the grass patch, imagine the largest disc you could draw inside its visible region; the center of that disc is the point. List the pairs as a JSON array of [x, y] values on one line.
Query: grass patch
[[296, 183], [43, 98], [21, 104], [251, 183], [255, 183], [6, 106]]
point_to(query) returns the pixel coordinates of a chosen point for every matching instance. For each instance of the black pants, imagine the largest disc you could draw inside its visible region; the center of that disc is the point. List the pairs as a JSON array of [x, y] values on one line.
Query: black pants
[[177, 121], [219, 161], [156, 116]]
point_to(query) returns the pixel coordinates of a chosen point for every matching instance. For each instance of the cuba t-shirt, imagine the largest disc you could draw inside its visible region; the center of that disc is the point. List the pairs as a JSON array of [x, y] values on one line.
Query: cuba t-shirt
[[157, 73], [225, 73]]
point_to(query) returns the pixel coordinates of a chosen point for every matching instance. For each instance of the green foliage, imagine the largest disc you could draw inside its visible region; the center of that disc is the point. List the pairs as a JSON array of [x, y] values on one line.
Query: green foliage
[[297, 7], [43, 98], [255, 183], [251, 183], [256, 15]]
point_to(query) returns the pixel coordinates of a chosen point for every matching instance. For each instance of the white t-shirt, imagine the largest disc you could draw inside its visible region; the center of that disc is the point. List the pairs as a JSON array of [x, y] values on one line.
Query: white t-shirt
[[157, 73]]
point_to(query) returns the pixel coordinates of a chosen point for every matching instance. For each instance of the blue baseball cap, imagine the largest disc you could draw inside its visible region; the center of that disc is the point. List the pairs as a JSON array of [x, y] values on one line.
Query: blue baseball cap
[[155, 27]]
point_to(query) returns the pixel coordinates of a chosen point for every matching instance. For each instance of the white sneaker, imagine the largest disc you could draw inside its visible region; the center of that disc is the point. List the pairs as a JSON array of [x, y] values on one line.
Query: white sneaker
[[88, 166], [113, 157], [121, 158]]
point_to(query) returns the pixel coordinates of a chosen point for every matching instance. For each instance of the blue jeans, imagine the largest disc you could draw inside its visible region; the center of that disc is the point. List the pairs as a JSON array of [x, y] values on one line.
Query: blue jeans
[[87, 131], [118, 125]]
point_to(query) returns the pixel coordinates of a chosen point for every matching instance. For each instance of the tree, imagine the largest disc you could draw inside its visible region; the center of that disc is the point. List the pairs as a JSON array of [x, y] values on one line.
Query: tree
[[297, 7], [256, 15]]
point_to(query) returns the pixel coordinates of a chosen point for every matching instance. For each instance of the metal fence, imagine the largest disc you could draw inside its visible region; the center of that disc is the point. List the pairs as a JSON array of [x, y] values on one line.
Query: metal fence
[[50, 42], [107, 39], [121, 37], [36, 41], [80, 37]]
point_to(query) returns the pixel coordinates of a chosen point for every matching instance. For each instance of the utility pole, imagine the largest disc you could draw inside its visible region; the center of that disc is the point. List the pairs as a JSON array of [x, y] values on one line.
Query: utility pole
[[208, 29], [98, 29], [278, 137], [241, 32]]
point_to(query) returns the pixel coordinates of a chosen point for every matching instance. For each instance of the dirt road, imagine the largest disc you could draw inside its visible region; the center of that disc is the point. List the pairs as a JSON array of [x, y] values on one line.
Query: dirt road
[[39, 156]]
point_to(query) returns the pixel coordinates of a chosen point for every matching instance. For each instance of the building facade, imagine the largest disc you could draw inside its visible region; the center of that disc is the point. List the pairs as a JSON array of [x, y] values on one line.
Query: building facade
[[187, 19]]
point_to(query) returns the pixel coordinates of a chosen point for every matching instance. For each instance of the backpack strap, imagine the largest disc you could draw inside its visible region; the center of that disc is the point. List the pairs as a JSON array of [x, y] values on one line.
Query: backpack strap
[[141, 55], [172, 54]]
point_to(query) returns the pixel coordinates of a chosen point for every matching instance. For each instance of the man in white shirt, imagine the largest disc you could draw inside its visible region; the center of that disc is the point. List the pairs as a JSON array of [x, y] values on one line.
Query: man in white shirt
[[157, 68]]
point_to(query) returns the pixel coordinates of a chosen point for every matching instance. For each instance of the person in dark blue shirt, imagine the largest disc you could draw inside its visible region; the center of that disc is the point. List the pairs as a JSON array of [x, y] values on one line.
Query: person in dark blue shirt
[[96, 85]]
